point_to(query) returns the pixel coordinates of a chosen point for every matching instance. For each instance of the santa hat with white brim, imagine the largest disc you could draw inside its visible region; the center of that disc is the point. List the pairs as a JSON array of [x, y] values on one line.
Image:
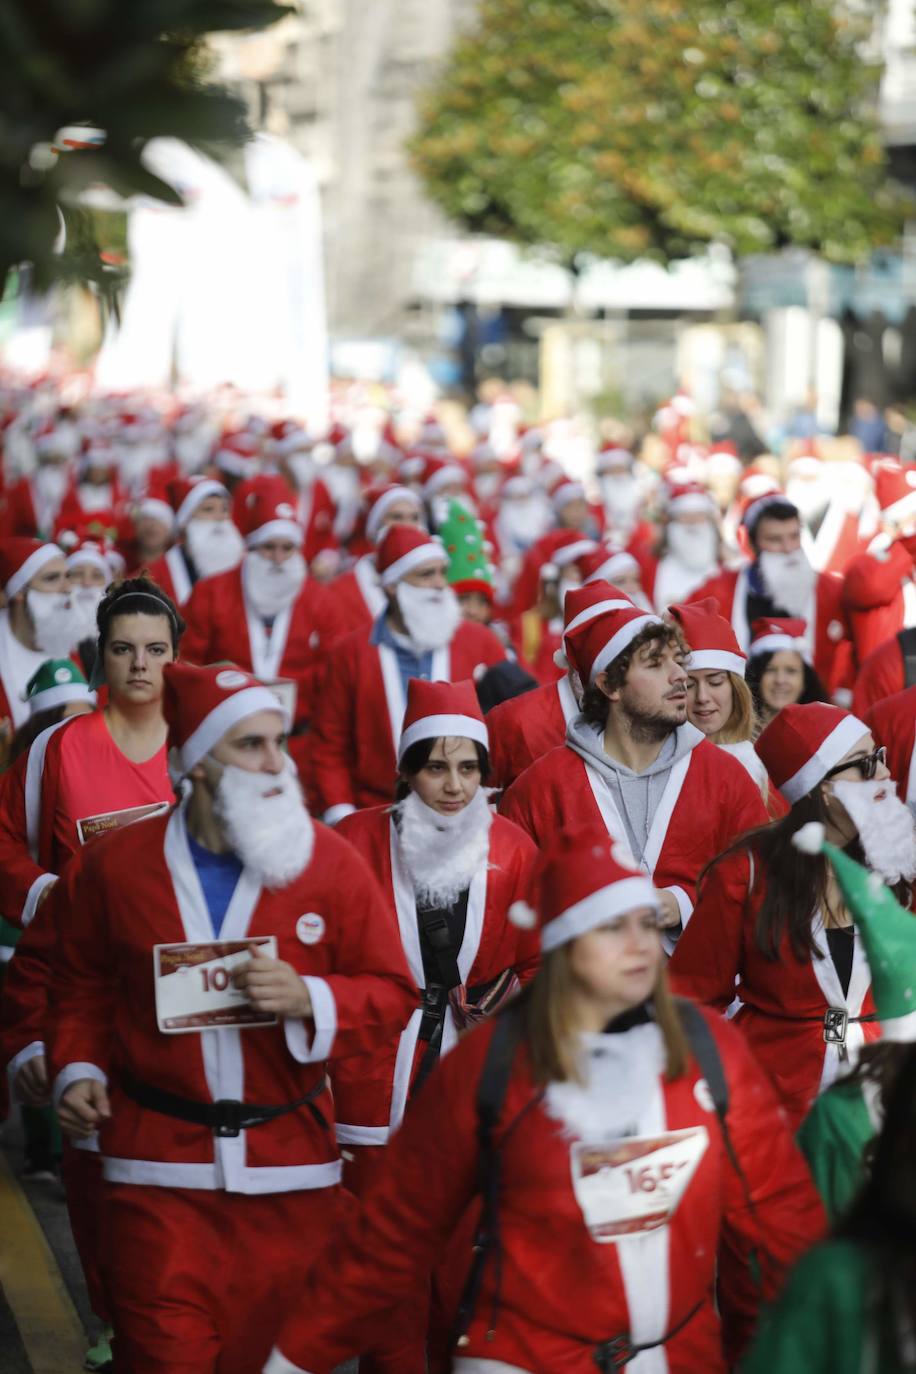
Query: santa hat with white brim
[[380, 507], [93, 555], [56, 683], [21, 559], [437, 709], [198, 493], [201, 704], [773, 636], [404, 548], [711, 639], [592, 645], [269, 513], [152, 508], [583, 604], [803, 743], [601, 566]]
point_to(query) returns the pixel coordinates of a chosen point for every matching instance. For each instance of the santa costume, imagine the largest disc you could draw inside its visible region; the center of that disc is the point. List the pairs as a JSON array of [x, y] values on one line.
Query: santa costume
[[210, 1189], [21, 559], [275, 637], [681, 570], [892, 722], [360, 710], [176, 571], [879, 591], [577, 784], [644, 1276], [526, 727], [743, 599], [803, 1024]]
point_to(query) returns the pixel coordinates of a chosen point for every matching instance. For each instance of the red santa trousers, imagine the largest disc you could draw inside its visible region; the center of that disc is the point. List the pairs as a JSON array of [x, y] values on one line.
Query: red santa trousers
[[199, 1282], [84, 1188]]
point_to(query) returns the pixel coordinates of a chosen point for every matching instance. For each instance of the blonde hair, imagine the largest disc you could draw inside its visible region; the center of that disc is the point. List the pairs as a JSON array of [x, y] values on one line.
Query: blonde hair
[[742, 723], [552, 1031]]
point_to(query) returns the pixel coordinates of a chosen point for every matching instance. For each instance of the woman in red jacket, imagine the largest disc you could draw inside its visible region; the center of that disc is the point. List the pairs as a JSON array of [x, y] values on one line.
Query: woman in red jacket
[[777, 921], [610, 1181], [451, 871]]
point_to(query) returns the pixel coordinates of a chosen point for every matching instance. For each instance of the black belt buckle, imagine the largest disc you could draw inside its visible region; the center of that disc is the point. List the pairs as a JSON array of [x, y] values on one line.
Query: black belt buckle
[[614, 1354], [228, 1117], [836, 1020]]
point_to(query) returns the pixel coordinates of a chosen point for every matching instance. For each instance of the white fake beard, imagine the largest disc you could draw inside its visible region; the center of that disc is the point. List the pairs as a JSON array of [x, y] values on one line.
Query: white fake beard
[[622, 497], [302, 467], [620, 1077], [442, 853], [521, 522], [272, 835], [811, 499], [431, 615], [789, 579], [272, 587], [886, 828], [84, 602], [695, 546], [215, 546], [53, 622]]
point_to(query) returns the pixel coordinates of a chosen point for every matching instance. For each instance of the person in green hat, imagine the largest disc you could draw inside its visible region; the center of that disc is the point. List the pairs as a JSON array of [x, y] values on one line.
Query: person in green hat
[[470, 572], [840, 1127]]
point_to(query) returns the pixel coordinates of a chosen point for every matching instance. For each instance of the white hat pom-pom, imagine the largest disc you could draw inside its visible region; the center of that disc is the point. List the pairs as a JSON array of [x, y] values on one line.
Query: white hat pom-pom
[[560, 659], [522, 916], [810, 839]]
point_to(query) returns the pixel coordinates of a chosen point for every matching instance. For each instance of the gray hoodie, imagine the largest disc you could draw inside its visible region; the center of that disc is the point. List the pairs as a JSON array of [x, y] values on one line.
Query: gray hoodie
[[637, 795]]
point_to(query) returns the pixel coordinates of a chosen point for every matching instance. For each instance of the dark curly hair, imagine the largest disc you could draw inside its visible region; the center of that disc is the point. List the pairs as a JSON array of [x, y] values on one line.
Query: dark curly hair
[[138, 596], [595, 702]]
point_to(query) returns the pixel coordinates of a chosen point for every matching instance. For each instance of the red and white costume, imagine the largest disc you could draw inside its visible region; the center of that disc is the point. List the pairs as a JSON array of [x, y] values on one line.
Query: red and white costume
[[892, 722], [174, 572], [21, 559], [879, 591], [526, 727]]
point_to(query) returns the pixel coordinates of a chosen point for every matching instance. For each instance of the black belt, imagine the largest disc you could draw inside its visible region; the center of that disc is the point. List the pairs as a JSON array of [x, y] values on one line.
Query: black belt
[[835, 1021], [227, 1117], [615, 1354]]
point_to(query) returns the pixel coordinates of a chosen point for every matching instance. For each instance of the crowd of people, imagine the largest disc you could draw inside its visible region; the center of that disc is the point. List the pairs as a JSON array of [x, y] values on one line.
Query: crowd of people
[[456, 909]]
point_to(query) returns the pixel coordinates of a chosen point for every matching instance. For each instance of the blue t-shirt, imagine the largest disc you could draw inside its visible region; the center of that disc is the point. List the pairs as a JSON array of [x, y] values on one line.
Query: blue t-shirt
[[218, 875]]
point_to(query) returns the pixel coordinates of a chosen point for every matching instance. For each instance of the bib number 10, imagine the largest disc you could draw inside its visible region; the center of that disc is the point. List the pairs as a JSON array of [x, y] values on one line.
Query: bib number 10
[[214, 979]]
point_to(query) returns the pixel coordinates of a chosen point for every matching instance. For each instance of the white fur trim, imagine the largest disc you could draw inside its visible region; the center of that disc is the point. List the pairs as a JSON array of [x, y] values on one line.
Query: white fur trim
[[30, 906], [198, 493], [90, 557], [768, 644], [840, 740], [423, 553], [222, 718], [337, 813], [566, 492], [384, 503], [591, 612], [30, 1052], [710, 659], [154, 509], [444, 477], [279, 1364], [276, 529], [58, 696], [31, 567], [361, 1135], [562, 557], [616, 645], [74, 1073], [621, 562], [596, 909], [435, 727], [324, 1021], [692, 503]]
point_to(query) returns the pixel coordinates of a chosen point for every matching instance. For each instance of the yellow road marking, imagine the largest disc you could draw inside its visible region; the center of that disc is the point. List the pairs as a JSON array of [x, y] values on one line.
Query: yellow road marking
[[32, 1284]]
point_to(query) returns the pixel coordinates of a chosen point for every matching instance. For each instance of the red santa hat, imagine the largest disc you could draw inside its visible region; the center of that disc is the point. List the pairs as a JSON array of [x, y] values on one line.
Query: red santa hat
[[201, 704], [435, 709], [712, 641], [438, 474], [612, 459], [379, 502], [269, 512], [154, 508], [802, 743], [571, 549], [403, 548], [94, 554], [690, 499], [586, 880], [564, 490], [21, 559], [603, 566], [593, 644], [768, 636], [188, 493], [757, 482], [238, 454], [895, 488]]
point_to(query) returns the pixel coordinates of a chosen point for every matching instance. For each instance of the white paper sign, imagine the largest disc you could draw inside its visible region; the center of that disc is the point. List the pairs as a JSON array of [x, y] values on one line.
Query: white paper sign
[[630, 1186], [194, 987]]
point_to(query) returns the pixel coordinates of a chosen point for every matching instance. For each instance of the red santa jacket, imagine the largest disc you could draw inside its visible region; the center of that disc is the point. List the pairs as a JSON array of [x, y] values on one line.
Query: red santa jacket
[[371, 1091], [882, 675], [874, 592], [315, 512], [526, 727], [359, 712], [827, 633], [352, 601], [172, 574], [525, 1316], [561, 792], [784, 999], [139, 888], [52, 787], [892, 722], [222, 625], [17, 510]]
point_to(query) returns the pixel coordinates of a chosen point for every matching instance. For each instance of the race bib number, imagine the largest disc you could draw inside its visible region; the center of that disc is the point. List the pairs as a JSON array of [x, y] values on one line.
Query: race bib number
[[194, 988], [92, 826], [631, 1186]]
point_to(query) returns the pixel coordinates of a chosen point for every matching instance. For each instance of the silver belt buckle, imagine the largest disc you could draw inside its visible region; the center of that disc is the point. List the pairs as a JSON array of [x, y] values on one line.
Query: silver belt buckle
[[836, 1020]]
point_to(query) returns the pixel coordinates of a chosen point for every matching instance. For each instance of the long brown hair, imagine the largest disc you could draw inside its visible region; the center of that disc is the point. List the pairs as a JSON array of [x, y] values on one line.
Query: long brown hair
[[550, 1026], [742, 721]]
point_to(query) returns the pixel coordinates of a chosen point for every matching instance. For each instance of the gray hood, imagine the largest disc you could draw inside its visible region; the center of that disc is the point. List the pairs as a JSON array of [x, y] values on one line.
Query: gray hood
[[588, 742]]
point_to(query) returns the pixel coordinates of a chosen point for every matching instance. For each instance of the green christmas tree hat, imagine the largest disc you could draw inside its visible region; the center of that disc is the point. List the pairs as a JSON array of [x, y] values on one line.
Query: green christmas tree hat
[[469, 566], [888, 932], [55, 683]]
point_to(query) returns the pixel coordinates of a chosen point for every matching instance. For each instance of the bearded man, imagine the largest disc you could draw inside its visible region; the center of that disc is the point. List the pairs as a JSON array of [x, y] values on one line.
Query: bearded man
[[780, 582], [263, 614], [208, 542], [192, 1030], [360, 708], [37, 623]]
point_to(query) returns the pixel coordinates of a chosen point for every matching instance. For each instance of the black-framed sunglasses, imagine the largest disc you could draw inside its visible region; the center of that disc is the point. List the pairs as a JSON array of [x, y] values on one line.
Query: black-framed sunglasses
[[867, 765]]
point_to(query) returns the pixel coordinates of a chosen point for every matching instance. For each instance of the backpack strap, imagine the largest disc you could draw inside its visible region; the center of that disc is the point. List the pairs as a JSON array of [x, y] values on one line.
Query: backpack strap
[[907, 641], [706, 1053]]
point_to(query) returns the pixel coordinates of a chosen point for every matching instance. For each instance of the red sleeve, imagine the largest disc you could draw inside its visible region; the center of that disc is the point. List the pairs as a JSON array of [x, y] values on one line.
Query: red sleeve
[[82, 985], [871, 582], [198, 616], [708, 956], [772, 1213], [528, 942], [880, 676], [24, 1004], [332, 733], [20, 869], [517, 804]]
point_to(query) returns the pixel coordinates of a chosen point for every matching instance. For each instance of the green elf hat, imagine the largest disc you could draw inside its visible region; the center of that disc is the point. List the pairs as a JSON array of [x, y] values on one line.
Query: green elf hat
[[56, 682], [469, 566], [888, 932]]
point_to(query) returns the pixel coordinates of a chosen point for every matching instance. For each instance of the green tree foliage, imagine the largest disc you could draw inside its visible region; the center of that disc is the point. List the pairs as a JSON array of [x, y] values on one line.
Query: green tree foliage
[[647, 128], [131, 68]]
